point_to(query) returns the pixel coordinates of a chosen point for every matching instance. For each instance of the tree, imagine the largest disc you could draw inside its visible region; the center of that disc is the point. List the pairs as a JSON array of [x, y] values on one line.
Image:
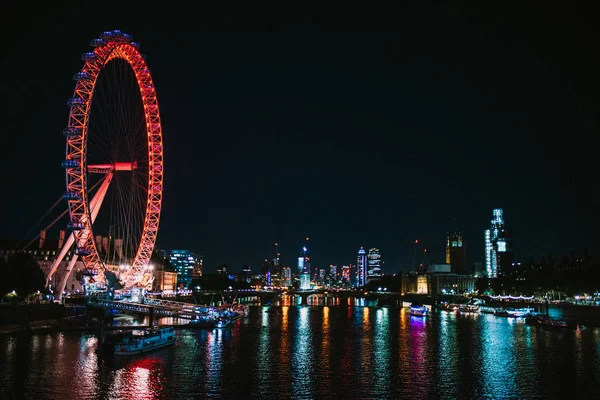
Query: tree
[[22, 274]]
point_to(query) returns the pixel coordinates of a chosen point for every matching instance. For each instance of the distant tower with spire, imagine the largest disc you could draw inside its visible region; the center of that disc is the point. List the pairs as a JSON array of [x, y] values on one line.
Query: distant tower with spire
[[456, 254]]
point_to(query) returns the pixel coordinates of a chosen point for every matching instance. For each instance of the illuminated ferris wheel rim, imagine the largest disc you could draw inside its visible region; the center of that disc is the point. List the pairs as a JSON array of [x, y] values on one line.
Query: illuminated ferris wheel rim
[[112, 45]]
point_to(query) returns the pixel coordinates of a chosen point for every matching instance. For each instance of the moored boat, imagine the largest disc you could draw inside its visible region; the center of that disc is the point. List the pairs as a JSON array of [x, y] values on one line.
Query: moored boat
[[139, 342], [545, 320], [487, 310], [469, 308], [418, 311], [514, 313]]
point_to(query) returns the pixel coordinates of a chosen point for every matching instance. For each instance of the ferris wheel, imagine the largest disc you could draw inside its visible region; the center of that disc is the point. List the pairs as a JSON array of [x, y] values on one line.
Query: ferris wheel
[[113, 162]]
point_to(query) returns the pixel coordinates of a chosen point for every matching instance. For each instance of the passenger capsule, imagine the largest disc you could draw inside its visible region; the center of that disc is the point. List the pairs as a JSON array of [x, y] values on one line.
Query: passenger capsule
[[82, 76], [89, 56], [70, 163], [71, 132], [82, 251], [75, 101], [97, 42], [75, 226], [71, 196]]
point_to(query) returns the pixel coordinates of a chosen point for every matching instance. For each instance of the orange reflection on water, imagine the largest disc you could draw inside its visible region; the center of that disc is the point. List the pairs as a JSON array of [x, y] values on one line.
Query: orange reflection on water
[[365, 318], [326, 335]]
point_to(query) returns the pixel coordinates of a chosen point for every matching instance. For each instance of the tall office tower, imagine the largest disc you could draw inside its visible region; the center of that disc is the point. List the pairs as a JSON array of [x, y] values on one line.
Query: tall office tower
[[456, 252], [287, 276], [187, 264], [373, 265], [361, 268], [333, 271], [304, 269], [276, 260], [302, 261], [498, 250], [266, 271], [305, 281], [346, 273], [322, 275]]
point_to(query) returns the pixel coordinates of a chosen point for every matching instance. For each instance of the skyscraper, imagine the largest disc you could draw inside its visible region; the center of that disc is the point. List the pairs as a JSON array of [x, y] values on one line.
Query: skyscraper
[[498, 249], [373, 265], [333, 271], [455, 252], [287, 276], [304, 269], [361, 268], [346, 273]]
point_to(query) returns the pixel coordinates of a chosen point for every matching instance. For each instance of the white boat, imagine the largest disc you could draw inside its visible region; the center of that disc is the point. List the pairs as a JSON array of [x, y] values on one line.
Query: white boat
[[418, 311], [469, 308], [139, 342], [514, 313]]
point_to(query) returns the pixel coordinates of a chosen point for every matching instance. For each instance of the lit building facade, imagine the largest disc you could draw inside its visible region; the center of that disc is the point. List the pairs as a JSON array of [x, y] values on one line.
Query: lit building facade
[[286, 276], [456, 253], [346, 273], [361, 268], [333, 271], [188, 265], [498, 250], [373, 265], [304, 269], [305, 281]]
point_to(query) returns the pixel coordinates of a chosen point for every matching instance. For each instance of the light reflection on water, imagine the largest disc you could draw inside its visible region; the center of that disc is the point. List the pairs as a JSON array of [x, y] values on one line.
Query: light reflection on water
[[317, 352]]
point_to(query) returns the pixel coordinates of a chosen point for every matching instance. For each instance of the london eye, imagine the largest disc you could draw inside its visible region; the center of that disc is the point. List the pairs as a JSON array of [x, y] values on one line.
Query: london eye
[[113, 163]]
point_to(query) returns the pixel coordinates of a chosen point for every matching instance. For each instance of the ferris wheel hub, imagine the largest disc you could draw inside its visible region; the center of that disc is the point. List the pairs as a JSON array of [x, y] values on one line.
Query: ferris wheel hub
[[117, 166]]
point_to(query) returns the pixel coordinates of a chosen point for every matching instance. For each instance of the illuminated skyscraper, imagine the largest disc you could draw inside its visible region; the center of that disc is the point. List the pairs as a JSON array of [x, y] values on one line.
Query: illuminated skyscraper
[[287, 276], [346, 273], [304, 269], [333, 271], [455, 252], [302, 261], [498, 251], [361, 268], [373, 265]]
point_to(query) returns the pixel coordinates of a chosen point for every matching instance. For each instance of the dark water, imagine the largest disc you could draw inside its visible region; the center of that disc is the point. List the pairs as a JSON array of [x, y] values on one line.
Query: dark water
[[318, 352]]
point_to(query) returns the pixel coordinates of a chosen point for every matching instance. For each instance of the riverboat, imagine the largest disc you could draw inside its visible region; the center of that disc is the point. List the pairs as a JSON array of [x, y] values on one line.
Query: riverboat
[[545, 320], [514, 312], [140, 342], [418, 311], [450, 307], [468, 308]]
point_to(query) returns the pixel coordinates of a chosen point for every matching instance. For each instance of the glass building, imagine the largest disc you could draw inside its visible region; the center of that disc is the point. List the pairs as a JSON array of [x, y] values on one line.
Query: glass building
[[373, 265], [498, 251], [361, 268], [188, 265]]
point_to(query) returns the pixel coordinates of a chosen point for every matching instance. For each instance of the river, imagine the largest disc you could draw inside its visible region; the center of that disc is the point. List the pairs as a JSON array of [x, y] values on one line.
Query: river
[[309, 352]]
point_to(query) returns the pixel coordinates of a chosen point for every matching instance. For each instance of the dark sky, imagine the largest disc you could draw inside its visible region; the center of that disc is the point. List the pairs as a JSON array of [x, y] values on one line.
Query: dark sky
[[352, 126]]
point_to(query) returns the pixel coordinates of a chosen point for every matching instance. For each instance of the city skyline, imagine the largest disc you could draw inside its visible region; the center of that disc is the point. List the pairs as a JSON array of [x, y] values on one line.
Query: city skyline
[[425, 116]]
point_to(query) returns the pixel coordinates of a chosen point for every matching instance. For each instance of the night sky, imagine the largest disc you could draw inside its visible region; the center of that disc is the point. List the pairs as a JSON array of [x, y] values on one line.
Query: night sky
[[351, 126]]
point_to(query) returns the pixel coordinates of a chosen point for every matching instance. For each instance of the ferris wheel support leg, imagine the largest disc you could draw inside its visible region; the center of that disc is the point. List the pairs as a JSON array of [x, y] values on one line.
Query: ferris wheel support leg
[[95, 205], [68, 243]]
